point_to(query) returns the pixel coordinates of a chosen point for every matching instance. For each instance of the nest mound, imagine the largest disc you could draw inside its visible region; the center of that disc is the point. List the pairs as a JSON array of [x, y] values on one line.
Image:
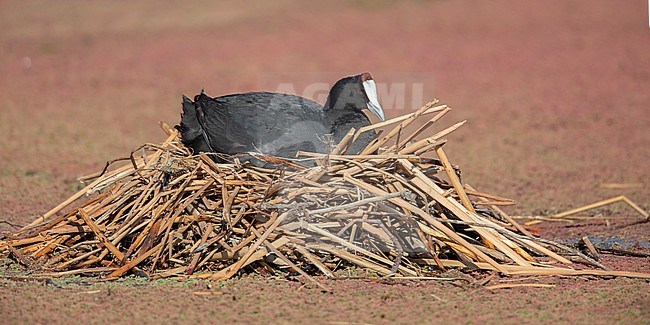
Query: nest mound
[[390, 210]]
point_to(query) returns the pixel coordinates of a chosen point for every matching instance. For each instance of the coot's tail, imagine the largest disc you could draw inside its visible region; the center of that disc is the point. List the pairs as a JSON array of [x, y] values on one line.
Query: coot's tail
[[192, 134]]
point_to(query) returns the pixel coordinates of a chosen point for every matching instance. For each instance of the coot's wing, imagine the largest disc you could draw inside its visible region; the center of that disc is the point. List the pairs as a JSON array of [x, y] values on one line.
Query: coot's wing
[[276, 124]]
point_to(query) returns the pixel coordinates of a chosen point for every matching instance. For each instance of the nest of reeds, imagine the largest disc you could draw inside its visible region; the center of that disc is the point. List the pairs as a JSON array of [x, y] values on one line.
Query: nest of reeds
[[392, 210]]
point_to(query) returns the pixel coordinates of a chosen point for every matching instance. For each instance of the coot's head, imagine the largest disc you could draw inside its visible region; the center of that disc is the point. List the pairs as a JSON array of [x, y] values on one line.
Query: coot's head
[[356, 93]]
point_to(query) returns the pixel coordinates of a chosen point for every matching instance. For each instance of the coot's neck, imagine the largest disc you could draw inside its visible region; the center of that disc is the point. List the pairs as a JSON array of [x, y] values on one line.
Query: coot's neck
[[337, 111], [340, 121]]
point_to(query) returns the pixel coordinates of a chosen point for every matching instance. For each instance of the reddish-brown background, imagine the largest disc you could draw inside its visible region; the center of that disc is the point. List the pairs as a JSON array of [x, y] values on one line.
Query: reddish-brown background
[[556, 94]]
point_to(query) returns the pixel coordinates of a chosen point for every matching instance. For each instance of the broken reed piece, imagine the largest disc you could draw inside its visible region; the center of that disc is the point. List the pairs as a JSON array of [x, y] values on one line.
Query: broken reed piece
[[342, 146], [455, 181], [486, 196], [518, 285], [621, 186], [603, 203], [590, 247]]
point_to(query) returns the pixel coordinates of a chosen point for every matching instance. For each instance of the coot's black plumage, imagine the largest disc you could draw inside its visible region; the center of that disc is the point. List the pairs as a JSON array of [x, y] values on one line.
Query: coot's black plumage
[[279, 124]]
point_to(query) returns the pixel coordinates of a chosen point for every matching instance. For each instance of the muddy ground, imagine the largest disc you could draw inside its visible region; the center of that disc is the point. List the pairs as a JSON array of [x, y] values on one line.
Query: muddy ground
[[556, 94]]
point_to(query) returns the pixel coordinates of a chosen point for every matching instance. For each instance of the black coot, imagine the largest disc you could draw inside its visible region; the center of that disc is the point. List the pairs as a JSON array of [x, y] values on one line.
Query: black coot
[[279, 124]]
